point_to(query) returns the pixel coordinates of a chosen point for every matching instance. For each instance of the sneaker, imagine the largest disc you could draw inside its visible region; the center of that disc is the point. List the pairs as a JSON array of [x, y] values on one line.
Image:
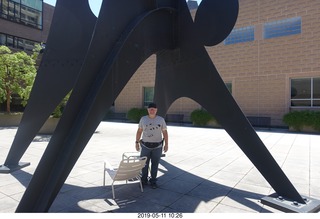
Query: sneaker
[[154, 185]]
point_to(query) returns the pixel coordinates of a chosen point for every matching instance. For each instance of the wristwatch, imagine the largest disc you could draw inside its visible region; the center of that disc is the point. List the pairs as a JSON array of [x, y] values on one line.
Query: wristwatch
[[137, 142]]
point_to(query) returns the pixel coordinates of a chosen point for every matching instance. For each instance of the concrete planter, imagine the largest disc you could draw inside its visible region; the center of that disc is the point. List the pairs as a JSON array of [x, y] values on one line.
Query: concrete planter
[[304, 128], [10, 119], [211, 123], [214, 123], [49, 126], [13, 119]]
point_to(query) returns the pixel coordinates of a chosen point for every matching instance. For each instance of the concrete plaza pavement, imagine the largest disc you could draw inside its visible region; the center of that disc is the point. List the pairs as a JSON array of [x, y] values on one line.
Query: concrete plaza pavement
[[204, 171]]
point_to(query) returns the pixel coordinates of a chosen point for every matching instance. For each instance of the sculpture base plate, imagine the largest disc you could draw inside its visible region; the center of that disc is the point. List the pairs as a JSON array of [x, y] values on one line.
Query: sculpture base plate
[[10, 169], [286, 205]]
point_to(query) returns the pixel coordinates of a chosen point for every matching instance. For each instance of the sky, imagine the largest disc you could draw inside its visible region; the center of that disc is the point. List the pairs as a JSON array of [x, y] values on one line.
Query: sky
[[94, 4]]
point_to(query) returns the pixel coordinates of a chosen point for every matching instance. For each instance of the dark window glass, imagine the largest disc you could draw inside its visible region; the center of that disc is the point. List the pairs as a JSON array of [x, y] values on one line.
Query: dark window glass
[[10, 41], [300, 88], [2, 39], [316, 88], [305, 92], [148, 93], [229, 86], [4, 8]]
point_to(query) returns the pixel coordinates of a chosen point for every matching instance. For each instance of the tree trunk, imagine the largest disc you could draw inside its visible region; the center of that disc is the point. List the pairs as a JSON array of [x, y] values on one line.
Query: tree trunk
[[8, 100]]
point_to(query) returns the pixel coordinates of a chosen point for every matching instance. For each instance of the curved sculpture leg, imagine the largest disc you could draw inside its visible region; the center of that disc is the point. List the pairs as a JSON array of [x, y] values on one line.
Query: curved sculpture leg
[[90, 99], [120, 44], [209, 90], [67, 44], [192, 74]]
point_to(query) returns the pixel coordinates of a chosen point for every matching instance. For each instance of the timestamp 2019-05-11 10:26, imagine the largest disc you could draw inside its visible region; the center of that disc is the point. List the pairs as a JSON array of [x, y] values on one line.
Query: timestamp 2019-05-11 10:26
[[159, 215]]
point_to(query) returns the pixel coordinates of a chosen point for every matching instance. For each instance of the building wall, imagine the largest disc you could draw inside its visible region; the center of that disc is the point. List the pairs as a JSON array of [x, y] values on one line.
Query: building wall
[[260, 70], [30, 33]]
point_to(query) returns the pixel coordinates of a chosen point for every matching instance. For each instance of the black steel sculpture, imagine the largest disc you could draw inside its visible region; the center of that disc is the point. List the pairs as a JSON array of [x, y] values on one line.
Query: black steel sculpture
[[95, 58]]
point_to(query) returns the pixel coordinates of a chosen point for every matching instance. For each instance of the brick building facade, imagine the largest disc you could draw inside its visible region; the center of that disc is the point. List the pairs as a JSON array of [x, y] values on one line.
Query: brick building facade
[[274, 48]]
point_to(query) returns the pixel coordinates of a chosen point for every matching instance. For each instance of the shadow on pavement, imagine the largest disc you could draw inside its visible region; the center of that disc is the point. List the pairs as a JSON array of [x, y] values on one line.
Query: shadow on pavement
[[179, 191]]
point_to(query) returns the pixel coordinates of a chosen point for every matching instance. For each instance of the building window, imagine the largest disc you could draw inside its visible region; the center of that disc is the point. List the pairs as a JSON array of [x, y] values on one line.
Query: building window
[[240, 35], [148, 95], [17, 42], [229, 86], [280, 28], [28, 12], [305, 92]]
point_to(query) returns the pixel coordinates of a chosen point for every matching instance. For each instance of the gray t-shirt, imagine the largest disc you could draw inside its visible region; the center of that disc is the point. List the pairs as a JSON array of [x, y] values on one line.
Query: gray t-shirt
[[152, 128]]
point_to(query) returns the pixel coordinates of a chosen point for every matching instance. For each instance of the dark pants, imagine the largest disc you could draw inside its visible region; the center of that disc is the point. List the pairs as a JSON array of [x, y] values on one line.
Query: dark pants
[[153, 154]]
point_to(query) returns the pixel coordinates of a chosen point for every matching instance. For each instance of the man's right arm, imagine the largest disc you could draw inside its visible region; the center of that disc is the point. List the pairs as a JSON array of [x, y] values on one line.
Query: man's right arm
[[138, 136]]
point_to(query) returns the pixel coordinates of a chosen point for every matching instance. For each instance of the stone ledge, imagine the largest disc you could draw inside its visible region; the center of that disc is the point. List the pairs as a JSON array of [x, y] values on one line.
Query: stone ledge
[[13, 120]]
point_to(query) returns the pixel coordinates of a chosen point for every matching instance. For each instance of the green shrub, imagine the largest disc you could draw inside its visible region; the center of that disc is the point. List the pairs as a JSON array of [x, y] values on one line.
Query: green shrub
[[298, 119], [57, 113], [135, 114], [316, 121], [201, 117]]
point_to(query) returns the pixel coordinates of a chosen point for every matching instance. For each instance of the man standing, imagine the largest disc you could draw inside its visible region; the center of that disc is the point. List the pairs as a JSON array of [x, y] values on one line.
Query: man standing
[[154, 133]]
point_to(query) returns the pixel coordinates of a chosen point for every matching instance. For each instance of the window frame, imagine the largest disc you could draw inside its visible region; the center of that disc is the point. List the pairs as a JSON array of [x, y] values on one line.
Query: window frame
[[311, 88], [15, 42], [15, 13]]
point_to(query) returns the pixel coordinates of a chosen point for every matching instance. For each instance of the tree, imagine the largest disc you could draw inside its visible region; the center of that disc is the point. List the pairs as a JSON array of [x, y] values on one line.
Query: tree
[[17, 73], [25, 94]]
